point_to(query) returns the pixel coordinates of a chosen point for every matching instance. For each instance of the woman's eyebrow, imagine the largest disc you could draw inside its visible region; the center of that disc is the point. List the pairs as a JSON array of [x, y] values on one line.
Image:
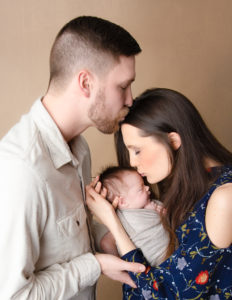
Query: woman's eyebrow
[[130, 146]]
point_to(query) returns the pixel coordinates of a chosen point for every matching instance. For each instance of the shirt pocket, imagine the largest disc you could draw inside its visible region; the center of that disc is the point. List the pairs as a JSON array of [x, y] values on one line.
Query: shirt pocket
[[71, 225]]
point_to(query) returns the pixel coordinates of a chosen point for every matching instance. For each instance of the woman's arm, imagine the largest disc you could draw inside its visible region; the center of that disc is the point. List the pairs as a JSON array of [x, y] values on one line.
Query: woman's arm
[[219, 216], [105, 212], [189, 271]]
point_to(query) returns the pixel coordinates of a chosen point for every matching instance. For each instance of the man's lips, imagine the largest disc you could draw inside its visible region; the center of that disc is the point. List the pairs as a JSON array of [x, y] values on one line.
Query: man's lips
[[123, 114]]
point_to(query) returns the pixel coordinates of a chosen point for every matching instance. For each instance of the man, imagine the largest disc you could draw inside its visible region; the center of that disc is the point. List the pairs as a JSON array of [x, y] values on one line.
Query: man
[[46, 250]]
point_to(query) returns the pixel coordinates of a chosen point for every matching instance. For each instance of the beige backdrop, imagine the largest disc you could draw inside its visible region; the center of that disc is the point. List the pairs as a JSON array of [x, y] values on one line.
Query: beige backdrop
[[187, 46]]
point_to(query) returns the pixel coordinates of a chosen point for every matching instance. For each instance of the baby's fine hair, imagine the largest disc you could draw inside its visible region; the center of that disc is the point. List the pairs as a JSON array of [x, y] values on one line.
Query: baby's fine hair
[[111, 179]]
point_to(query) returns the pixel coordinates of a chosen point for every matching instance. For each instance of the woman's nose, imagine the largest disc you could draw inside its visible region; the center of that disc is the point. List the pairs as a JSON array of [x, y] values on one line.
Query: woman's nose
[[132, 162]]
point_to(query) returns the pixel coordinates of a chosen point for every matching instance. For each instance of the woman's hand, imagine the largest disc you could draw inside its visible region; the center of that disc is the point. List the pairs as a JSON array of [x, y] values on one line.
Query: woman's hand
[[97, 203], [105, 212]]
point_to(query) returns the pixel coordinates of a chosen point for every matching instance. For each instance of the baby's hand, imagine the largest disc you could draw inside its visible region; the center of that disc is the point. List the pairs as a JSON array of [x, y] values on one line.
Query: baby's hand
[[156, 207], [151, 205]]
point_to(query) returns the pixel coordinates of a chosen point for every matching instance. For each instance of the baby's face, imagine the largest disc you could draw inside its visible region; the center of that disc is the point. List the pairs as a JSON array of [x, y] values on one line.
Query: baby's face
[[136, 194]]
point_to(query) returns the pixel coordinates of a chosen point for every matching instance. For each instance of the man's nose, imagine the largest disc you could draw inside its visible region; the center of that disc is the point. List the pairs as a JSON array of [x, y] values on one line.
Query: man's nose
[[129, 98]]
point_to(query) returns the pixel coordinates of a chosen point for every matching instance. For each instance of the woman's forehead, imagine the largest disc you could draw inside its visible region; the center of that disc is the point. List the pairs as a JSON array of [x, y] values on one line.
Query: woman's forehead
[[130, 132], [133, 137]]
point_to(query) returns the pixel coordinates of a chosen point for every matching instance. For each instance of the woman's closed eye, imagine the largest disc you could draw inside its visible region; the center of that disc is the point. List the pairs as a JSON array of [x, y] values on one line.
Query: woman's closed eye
[[133, 150]]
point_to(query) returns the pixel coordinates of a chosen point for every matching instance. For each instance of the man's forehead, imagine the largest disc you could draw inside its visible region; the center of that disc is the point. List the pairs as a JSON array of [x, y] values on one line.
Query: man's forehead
[[126, 67]]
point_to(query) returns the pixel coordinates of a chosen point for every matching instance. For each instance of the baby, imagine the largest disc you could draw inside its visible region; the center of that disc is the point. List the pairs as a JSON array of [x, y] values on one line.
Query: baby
[[139, 215]]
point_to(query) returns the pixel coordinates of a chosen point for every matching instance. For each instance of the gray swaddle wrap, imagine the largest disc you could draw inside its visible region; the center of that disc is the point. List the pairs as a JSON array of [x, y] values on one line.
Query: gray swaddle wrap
[[146, 231]]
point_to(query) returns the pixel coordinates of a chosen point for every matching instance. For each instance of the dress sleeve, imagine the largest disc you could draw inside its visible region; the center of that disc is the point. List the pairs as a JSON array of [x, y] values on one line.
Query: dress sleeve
[[187, 274], [154, 283]]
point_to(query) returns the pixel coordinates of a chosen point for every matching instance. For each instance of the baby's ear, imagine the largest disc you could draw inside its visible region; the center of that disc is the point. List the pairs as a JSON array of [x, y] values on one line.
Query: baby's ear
[[122, 203]]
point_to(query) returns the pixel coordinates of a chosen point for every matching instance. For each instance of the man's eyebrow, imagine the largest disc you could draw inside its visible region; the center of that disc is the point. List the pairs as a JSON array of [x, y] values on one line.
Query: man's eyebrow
[[128, 81]]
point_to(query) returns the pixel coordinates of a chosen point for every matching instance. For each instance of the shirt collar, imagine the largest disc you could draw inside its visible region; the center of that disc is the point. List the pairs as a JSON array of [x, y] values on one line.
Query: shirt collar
[[58, 148]]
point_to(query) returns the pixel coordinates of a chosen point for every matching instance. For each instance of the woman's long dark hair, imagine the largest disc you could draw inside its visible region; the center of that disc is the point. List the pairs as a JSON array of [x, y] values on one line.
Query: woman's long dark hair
[[157, 112]]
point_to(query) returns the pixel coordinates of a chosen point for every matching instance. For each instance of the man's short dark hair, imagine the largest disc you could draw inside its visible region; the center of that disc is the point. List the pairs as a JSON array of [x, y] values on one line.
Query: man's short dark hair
[[88, 42]]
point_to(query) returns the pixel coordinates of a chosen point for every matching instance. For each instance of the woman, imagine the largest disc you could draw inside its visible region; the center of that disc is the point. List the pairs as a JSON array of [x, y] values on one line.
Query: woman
[[169, 143]]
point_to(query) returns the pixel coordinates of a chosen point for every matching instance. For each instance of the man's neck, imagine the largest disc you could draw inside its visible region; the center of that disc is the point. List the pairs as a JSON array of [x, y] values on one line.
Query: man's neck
[[69, 118]]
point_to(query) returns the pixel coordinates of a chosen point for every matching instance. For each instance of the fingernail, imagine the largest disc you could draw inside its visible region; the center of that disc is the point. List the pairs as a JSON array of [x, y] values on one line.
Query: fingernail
[[142, 268]]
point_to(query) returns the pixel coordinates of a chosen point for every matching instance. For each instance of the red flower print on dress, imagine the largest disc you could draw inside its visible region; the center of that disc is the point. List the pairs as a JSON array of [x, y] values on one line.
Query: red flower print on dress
[[202, 277], [155, 285], [147, 270]]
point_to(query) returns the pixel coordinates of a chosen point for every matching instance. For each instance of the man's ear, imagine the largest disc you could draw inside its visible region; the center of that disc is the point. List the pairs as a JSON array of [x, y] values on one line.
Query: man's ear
[[84, 82], [175, 140]]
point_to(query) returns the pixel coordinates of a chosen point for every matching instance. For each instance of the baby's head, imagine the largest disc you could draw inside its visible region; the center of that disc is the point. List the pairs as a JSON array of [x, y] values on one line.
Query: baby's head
[[127, 184]]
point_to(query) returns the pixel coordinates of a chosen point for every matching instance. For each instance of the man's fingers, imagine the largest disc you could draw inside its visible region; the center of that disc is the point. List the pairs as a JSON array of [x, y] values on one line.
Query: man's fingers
[[125, 278], [134, 267]]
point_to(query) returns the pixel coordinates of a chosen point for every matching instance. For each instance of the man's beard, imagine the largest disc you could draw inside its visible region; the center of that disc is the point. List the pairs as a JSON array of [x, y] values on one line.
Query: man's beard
[[104, 123]]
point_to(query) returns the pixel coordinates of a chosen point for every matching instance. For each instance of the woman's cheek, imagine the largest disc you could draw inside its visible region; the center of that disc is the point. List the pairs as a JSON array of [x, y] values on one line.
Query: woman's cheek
[[148, 161]]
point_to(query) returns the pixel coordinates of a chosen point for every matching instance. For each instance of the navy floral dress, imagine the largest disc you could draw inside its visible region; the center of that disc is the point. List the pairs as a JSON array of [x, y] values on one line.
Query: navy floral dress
[[196, 270]]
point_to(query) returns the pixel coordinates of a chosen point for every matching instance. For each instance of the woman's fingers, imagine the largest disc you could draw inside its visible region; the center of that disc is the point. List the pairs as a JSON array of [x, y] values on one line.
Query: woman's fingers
[[115, 202], [104, 192], [98, 187], [92, 192], [94, 182]]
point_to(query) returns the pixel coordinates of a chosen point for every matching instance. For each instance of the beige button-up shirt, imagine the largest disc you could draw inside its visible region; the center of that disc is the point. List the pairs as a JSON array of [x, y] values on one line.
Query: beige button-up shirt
[[45, 248]]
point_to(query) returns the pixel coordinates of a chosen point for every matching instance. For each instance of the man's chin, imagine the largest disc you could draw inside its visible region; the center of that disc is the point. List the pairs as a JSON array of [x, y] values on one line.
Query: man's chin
[[108, 129]]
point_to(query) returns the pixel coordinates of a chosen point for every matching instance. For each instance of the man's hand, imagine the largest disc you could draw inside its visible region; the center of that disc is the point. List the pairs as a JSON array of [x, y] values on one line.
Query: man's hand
[[116, 268]]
